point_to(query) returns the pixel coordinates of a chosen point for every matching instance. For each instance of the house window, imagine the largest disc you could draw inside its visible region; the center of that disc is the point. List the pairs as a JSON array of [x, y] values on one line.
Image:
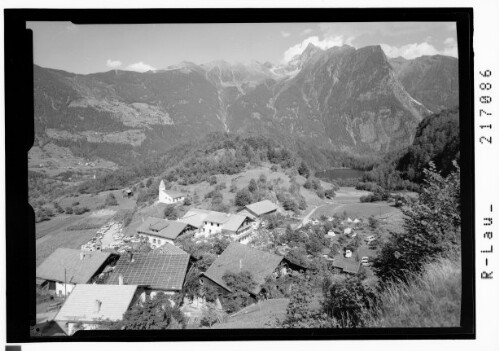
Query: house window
[[154, 241], [218, 224]]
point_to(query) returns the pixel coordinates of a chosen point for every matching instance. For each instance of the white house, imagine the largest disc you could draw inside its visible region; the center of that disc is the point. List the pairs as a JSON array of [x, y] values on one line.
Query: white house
[[161, 231], [169, 196]]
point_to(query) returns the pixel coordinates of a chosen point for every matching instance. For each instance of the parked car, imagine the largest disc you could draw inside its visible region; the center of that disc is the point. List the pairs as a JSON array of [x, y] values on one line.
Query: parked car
[[370, 238]]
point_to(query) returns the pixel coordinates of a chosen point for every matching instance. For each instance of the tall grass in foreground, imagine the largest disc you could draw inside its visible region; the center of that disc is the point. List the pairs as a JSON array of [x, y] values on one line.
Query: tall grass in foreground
[[431, 299]]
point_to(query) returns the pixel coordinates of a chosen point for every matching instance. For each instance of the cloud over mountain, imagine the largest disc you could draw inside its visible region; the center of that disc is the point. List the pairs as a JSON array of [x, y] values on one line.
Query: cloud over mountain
[[113, 64], [324, 44], [140, 67], [414, 50]]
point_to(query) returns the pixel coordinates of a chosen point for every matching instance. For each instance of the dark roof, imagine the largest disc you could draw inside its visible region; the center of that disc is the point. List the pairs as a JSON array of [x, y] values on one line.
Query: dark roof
[[153, 269], [348, 265], [262, 207], [79, 266], [234, 223], [237, 258], [162, 228]]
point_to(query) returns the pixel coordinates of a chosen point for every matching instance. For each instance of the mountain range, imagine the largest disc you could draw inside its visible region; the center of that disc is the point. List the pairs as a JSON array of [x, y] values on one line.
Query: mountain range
[[356, 101]]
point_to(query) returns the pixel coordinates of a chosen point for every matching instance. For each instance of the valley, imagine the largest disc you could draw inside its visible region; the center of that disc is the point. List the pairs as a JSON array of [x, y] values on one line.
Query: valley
[[255, 195]]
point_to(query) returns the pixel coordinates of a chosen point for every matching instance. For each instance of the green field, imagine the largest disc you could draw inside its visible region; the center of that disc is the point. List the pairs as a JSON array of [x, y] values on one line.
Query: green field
[[357, 210]]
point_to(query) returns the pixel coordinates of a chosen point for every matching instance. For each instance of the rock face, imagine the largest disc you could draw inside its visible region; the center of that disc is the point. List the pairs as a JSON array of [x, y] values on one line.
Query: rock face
[[432, 80], [354, 100]]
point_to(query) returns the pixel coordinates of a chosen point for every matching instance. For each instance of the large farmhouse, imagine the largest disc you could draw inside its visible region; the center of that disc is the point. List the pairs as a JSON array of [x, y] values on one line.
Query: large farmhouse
[[65, 268], [212, 222], [169, 196], [161, 231], [238, 258], [162, 271]]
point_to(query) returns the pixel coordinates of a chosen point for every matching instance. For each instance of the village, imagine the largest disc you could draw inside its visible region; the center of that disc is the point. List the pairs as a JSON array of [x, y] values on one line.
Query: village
[[190, 256]]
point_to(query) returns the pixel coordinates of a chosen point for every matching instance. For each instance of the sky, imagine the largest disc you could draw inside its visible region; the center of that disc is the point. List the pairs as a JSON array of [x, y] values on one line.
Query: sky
[[142, 47]]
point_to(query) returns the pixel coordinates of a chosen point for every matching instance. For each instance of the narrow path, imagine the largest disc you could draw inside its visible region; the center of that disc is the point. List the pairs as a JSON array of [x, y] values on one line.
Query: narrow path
[[305, 219]]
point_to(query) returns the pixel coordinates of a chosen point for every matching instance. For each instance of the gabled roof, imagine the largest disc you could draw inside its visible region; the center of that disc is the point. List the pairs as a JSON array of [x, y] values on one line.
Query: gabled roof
[[235, 221], [81, 304], [195, 217], [217, 217], [162, 228], [247, 214], [72, 266], [153, 269], [347, 265], [237, 258], [262, 207]]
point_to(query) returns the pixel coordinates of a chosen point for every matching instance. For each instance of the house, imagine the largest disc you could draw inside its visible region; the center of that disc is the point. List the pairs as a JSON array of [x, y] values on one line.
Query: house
[[91, 304], [346, 265], [238, 258], [169, 196], [161, 231], [247, 214], [261, 208], [214, 222], [347, 231], [65, 268], [195, 217], [155, 271], [239, 227]]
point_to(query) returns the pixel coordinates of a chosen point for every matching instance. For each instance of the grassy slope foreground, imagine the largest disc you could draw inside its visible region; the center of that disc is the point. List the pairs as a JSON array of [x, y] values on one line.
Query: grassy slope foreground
[[430, 300]]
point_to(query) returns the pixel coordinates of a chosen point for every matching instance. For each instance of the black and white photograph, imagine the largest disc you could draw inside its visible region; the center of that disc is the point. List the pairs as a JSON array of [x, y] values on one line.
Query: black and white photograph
[[273, 176]]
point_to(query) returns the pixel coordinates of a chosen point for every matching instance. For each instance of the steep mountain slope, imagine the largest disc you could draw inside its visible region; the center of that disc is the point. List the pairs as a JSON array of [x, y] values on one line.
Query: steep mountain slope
[[432, 80], [347, 99], [340, 99]]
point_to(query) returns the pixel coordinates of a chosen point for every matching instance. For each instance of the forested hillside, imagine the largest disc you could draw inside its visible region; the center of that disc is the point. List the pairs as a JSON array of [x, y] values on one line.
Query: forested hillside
[[437, 140]]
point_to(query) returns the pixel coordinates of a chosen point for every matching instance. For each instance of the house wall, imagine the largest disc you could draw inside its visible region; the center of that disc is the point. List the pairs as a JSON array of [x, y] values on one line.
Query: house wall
[[59, 288], [155, 240], [166, 199], [212, 228]]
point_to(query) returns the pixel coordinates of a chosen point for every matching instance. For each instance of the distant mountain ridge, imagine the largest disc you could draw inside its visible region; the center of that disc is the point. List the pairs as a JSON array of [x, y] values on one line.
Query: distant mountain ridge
[[345, 99]]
